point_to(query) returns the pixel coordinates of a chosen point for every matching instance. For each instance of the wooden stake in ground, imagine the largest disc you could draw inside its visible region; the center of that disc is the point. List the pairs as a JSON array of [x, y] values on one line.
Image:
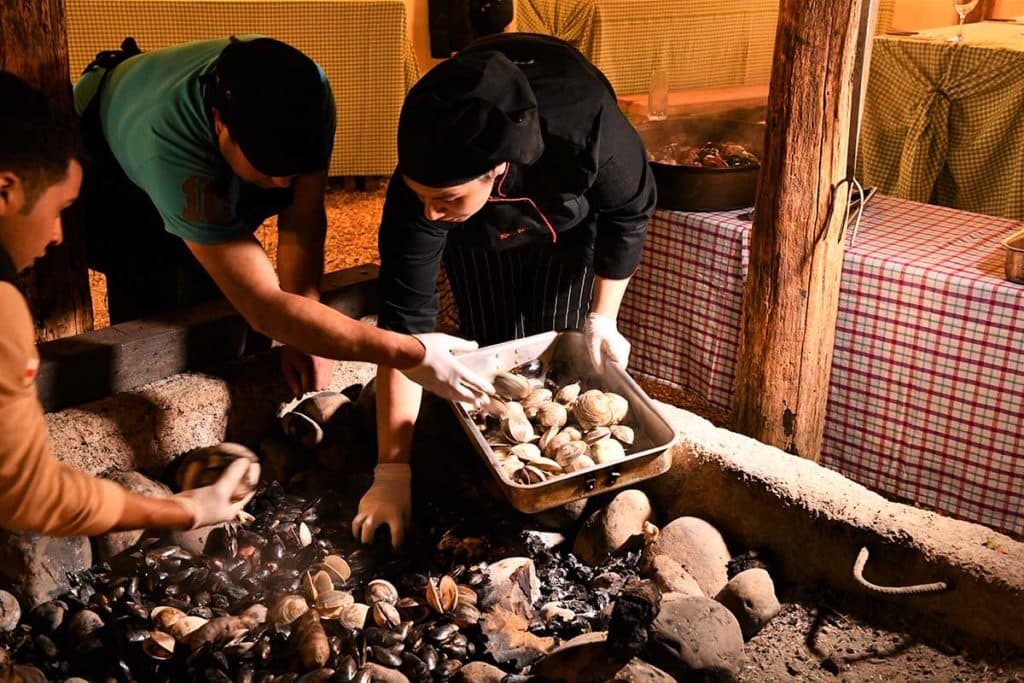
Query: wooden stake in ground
[[34, 45], [796, 250]]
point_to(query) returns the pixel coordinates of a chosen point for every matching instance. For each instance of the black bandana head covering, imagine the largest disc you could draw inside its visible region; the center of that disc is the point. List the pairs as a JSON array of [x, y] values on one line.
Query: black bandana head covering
[[467, 115]]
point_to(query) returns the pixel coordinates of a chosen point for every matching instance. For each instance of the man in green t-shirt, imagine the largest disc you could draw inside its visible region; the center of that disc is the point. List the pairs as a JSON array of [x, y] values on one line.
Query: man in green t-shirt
[[191, 148]]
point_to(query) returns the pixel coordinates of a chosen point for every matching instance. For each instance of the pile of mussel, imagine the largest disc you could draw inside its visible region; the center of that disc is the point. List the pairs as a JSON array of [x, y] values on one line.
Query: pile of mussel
[[539, 430], [288, 596], [272, 601]]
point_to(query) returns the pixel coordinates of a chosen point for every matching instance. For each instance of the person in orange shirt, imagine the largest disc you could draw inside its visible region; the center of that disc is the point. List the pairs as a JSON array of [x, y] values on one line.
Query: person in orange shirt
[[40, 176]]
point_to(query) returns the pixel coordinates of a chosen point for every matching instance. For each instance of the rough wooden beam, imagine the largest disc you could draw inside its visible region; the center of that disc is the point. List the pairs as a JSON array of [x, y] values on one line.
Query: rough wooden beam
[[89, 366], [796, 251], [34, 45]]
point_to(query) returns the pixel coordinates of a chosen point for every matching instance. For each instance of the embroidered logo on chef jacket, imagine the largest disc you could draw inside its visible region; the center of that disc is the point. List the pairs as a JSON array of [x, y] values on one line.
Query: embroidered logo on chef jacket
[[513, 233], [31, 370]]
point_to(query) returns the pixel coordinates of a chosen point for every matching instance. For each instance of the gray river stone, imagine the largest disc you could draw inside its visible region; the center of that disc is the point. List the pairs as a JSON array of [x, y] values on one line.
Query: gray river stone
[[694, 636], [750, 596]]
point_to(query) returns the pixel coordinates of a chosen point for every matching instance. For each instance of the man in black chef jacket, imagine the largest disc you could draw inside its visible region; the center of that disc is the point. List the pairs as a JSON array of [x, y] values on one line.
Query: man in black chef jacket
[[517, 170]]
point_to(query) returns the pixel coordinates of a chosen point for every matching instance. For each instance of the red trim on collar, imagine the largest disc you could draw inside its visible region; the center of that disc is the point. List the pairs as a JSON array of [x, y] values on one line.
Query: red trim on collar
[[503, 199]]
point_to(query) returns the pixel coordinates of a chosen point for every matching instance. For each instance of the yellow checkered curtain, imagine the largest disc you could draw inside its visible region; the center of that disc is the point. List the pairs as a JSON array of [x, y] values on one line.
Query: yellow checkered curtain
[[943, 122], [363, 47], [701, 43]]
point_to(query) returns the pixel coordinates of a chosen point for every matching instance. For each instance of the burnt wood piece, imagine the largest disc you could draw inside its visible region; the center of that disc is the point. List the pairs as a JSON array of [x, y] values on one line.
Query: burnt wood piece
[[791, 298], [90, 366], [634, 611], [34, 46]]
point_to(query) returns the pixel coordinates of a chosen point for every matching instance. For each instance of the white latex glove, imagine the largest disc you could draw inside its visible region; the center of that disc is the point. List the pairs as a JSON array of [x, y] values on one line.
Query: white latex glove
[[441, 373], [212, 504], [387, 501], [605, 342]]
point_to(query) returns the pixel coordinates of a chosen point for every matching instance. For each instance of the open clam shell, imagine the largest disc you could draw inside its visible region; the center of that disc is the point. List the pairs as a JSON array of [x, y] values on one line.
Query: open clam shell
[[204, 466], [386, 614], [159, 645], [354, 616], [381, 590], [511, 386], [518, 430], [596, 434], [338, 569], [442, 596], [287, 609], [624, 434]]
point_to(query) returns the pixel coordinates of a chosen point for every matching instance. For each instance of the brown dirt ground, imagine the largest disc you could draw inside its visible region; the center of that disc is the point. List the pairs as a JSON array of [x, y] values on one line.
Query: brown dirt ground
[[823, 636]]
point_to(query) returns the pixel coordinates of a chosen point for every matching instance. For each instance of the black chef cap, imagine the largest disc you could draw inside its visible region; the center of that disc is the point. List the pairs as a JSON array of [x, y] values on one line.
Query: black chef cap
[[467, 115], [276, 104]]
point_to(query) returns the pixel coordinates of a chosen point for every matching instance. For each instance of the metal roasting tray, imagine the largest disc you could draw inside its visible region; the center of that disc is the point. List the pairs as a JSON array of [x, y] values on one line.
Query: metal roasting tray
[[564, 358], [1014, 245]]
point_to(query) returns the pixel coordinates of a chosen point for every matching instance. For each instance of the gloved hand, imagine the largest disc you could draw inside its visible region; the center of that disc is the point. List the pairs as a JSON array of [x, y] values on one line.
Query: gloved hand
[[605, 342], [305, 372], [387, 501], [441, 373], [212, 504]]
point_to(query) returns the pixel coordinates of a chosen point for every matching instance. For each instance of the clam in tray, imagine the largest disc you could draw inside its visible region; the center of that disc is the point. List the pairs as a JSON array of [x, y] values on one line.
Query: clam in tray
[[561, 429]]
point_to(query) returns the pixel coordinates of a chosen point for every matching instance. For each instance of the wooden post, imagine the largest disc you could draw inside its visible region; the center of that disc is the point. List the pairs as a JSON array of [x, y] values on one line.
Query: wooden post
[[796, 251], [34, 45]]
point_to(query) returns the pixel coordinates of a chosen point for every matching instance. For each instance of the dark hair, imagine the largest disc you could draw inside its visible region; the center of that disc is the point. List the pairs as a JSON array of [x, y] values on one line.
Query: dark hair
[[276, 104], [33, 143]]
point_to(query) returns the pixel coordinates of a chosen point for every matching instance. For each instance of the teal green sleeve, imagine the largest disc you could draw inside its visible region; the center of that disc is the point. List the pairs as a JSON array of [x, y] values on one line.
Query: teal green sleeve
[[86, 87], [332, 121], [193, 205]]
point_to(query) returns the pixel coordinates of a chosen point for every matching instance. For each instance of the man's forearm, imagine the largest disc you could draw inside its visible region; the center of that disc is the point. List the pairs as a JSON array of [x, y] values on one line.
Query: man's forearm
[[608, 296], [298, 321], [144, 512], [301, 231], [300, 260]]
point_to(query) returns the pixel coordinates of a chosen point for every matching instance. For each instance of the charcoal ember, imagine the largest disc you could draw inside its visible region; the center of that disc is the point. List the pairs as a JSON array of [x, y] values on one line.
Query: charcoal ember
[[752, 559], [633, 613]]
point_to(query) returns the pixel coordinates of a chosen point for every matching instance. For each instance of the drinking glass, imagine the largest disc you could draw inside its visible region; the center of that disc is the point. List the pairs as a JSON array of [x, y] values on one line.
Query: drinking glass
[[963, 8], [657, 96]]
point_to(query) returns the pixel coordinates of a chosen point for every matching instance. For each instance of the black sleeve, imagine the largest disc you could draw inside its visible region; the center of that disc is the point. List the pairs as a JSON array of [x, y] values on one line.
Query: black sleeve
[[410, 258], [623, 195]]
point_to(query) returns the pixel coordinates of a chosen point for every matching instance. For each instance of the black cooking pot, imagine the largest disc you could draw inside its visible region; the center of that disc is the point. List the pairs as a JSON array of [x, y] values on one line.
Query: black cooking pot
[[696, 188]]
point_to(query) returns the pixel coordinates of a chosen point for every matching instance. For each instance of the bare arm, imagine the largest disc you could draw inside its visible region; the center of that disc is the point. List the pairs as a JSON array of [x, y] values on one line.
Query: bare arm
[[398, 404], [608, 296], [246, 277], [302, 227], [143, 512]]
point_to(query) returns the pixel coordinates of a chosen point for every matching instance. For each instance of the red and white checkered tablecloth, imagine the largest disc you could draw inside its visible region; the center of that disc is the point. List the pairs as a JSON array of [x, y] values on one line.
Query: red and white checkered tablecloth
[[927, 393]]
